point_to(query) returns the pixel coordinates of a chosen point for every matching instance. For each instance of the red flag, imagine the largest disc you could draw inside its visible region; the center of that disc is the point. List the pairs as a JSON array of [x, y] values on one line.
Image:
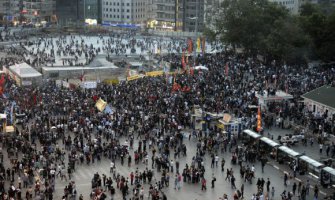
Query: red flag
[[190, 46], [226, 69], [259, 119], [183, 62], [82, 77]]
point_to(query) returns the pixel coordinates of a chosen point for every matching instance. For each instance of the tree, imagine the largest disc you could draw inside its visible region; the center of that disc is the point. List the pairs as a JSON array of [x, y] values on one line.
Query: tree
[[320, 28]]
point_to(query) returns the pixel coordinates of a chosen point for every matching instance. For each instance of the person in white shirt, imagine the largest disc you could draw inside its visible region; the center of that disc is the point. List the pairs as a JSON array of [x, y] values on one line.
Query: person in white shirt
[[112, 167]]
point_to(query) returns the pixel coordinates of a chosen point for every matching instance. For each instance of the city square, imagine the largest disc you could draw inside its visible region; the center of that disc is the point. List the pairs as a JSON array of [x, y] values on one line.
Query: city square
[[155, 106]]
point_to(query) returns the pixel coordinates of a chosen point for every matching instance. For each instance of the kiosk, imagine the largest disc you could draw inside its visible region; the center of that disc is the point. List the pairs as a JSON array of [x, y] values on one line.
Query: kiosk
[[268, 145], [328, 177], [287, 156], [307, 164], [250, 136]]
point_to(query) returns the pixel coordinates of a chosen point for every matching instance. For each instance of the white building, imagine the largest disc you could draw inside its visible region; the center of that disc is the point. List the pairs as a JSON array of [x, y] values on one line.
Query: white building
[[292, 5], [321, 101], [124, 11]]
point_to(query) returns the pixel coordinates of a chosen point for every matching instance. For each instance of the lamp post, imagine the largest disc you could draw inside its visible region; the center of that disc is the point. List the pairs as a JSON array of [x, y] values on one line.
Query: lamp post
[[196, 31]]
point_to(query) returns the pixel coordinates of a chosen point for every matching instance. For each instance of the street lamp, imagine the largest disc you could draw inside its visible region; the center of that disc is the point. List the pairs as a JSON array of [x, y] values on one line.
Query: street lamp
[[196, 30]]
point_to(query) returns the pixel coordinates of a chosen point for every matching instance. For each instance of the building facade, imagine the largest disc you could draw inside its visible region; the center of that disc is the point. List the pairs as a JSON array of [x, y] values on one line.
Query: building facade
[[124, 11], [69, 13], [27, 11], [292, 5], [194, 13]]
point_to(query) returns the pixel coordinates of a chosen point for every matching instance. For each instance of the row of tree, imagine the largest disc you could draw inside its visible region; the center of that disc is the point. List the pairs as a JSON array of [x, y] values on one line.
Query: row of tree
[[264, 28]]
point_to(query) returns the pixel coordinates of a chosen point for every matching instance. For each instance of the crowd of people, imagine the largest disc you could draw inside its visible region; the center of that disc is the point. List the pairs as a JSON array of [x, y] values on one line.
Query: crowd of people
[[149, 112]]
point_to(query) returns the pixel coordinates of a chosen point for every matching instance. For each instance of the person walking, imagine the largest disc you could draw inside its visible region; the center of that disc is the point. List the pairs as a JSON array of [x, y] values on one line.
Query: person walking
[[222, 164], [316, 192], [203, 184], [268, 185], [294, 188], [213, 181], [272, 193], [285, 179]]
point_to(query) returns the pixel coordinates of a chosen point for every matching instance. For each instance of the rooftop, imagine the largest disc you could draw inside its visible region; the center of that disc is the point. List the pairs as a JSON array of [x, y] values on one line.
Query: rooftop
[[324, 95]]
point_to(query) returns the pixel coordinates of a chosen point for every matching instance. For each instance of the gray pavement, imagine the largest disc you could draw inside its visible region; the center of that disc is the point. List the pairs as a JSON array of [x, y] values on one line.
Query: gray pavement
[[84, 174]]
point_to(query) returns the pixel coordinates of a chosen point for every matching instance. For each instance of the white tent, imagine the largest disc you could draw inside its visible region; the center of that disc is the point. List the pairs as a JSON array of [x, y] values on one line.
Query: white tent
[[24, 74], [24, 70], [200, 67]]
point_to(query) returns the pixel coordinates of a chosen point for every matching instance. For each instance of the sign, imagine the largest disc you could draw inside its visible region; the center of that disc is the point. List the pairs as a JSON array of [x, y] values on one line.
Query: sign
[[26, 83], [101, 105], [131, 78], [66, 84], [226, 118], [89, 84], [155, 73], [112, 81]]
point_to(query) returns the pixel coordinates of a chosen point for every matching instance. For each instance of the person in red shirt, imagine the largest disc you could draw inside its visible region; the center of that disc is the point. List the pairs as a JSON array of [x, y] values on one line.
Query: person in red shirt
[[203, 184]]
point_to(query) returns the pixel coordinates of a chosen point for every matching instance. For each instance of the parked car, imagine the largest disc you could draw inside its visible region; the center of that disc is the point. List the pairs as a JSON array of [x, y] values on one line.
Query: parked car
[[288, 140]]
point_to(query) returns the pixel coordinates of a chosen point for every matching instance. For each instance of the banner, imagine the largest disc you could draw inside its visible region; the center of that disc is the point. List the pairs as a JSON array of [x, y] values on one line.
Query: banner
[[131, 78], [154, 73], [198, 44], [203, 45], [259, 119], [190, 45], [101, 105], [112, 81], [89, 84]]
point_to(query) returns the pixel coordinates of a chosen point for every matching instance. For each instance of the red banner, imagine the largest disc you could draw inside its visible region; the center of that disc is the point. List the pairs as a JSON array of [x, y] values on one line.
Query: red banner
[[190, 45], [227, 69]]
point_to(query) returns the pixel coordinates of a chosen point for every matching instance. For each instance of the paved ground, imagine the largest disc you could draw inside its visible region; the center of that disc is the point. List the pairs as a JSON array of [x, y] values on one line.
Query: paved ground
[[84, 173]]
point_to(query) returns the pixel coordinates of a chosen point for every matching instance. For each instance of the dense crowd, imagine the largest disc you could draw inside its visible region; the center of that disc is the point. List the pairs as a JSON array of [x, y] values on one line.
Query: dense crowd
[[71, 132]]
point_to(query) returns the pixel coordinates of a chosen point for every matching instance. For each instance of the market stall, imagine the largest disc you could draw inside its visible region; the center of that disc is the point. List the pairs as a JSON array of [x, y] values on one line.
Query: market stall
[[232, 126], [309, 165], [287, 156], [269, 146], [250, 136], [328, 177], [24, 74]]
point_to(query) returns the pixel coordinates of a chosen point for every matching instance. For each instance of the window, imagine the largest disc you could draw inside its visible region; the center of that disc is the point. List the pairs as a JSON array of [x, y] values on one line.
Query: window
[[127, 16], [127, 10]]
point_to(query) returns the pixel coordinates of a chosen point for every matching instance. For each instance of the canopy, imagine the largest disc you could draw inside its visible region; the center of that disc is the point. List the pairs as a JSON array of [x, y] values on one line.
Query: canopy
[[200, 67], [289, 151], [311, 161], [252, 134], [329, 170], [24, 70], [270, 142]]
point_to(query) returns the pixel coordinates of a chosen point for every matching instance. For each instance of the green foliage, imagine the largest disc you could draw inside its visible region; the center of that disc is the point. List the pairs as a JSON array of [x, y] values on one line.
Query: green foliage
[[320, 27], [268, 29]]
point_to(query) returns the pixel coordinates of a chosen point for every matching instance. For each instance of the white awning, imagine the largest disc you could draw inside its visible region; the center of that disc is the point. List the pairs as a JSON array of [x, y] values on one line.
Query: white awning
[[269, 142], [311, 161], [329, 170], [252, 133], [289, 151]]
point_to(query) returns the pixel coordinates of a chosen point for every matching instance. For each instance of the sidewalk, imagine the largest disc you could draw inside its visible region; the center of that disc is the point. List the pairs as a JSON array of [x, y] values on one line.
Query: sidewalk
[[310, 151], [301, 178]]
